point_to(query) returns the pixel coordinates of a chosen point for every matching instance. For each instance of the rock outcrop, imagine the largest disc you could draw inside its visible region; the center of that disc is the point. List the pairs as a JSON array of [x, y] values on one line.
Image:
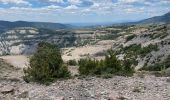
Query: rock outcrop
[[25, 39]]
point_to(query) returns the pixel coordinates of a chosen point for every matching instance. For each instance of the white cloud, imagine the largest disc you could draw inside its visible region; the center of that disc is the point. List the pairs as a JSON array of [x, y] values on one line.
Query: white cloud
[[139, 1], [134, 10], [46, 9], [57, 1], [129, 1], [74, 2], [53, 7], [15, 2], [72, 9]]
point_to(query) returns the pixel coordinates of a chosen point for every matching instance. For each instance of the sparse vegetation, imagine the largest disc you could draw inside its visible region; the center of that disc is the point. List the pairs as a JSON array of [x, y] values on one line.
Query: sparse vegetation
[[148, 49], [130, 37], [135, 49], [110, 66], [108, 37], [72, 62], [46, 65], [158, 66]]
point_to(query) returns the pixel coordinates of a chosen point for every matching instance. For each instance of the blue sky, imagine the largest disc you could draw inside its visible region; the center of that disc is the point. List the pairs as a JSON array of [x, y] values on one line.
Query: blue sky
[[82, 11]]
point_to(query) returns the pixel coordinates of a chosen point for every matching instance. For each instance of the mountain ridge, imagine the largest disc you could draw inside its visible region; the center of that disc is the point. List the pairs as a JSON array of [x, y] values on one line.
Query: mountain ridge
[[157, 19], [6, 25]]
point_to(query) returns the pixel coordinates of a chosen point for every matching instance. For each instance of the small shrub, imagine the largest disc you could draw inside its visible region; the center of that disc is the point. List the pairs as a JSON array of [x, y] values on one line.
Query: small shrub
[[113, 65], [155, 67], [130, 37], [128, 70], [163, 71], [72, 62], [46, 65], [106, 76], [156, 73], [87, 66]]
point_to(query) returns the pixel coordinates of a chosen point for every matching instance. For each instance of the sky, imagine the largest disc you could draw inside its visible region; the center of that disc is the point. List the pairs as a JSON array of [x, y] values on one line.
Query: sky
[[82, 11]]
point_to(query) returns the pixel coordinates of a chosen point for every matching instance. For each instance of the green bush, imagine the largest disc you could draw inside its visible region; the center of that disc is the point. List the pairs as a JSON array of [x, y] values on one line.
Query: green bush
[[72, 62], [130, 37], [107, 67], [87, 66], [113, 65], [134, 48], [46, 65], [128, 70]]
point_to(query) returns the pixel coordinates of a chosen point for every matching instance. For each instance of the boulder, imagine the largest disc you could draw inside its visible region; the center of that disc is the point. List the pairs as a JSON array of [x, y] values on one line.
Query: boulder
[[59, 98], [116, 98], [7, 90]]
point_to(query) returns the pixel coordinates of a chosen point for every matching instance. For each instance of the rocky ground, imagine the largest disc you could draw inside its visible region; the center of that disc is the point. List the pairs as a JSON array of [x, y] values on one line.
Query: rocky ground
[[91, 88], [138, 87]]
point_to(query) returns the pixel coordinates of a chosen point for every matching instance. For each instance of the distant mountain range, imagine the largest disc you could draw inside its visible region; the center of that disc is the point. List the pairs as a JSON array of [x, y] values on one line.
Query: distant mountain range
[[155, 20], [6, 25]]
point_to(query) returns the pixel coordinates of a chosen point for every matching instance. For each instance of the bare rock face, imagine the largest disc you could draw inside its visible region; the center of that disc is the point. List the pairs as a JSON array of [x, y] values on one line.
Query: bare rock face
[[24, 40]]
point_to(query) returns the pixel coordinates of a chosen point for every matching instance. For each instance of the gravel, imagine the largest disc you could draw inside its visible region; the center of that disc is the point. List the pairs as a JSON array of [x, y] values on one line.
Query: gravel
[[91, 88]]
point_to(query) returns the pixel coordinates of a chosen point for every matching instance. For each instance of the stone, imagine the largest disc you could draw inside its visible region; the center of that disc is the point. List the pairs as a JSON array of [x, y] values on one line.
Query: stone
[[59, 98], [117, 98], [7, 98], [24, 95], [7, 90]]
